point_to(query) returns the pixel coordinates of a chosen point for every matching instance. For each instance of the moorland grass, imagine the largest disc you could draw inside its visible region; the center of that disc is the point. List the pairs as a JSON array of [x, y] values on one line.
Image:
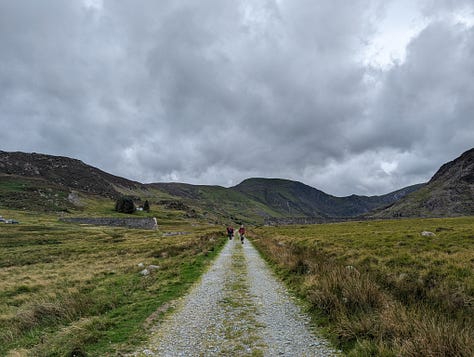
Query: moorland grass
[[77, 290], [380, 288]]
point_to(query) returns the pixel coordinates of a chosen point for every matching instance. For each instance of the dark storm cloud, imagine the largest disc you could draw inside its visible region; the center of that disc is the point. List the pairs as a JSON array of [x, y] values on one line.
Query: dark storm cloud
[[216, 91], [276, 99]]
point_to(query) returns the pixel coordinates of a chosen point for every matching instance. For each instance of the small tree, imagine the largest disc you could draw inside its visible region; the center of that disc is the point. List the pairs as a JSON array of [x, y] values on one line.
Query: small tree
[[146, 206], [125, 205]]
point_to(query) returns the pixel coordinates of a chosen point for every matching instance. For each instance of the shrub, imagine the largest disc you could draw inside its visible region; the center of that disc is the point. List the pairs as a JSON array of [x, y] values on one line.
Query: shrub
[[146, 206], [125, 205]]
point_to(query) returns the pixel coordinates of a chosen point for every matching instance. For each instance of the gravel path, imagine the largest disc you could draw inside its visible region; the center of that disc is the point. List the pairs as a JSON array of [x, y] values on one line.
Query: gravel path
[[237, 309]]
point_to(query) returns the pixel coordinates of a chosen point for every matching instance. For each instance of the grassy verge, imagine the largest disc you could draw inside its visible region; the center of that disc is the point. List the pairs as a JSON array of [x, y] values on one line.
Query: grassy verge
[[380, 288], [77, 290]]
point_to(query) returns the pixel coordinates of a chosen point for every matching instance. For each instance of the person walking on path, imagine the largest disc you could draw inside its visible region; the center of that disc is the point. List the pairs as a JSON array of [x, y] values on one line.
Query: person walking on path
[[242, 233], [230, 232]]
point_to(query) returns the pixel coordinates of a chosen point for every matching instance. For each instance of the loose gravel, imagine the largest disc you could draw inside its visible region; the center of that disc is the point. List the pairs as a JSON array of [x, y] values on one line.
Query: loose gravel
[[238, 308]]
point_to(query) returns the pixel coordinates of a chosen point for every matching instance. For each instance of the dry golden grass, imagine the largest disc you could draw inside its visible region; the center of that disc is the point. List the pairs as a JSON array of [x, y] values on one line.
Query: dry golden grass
[[77, 289]]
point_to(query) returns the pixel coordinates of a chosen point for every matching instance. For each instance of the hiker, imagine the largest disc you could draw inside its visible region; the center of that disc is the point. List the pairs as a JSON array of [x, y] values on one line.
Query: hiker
[[241, 233], [230, 232]]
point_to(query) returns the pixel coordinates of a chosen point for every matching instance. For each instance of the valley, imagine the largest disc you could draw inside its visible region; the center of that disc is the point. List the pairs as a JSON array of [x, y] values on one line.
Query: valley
[[367, 276]]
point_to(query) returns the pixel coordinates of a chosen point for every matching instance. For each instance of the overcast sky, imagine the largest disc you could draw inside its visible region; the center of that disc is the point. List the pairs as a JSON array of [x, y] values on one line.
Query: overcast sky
[[357, 96]]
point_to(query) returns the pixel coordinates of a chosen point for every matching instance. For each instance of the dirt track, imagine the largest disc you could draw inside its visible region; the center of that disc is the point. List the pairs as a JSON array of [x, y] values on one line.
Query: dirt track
[[237, 309]]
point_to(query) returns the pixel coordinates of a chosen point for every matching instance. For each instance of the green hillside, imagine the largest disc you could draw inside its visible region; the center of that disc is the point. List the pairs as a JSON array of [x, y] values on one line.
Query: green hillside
[[219, 203], [33, 194]]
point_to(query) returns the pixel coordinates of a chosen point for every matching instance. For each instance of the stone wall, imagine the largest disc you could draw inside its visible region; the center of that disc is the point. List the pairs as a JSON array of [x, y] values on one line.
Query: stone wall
[[138, 223]]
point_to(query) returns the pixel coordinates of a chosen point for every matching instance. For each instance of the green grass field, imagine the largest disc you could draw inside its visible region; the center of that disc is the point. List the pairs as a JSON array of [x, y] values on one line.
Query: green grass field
[[379, 287], [77, 290]]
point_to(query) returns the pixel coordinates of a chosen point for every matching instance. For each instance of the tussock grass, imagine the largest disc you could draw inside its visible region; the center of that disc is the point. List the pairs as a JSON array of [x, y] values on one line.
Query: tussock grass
[[77, 290], [380, 288]]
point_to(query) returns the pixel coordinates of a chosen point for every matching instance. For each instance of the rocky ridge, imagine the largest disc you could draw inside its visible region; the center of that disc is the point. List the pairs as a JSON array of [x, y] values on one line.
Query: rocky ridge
[[65, 172]]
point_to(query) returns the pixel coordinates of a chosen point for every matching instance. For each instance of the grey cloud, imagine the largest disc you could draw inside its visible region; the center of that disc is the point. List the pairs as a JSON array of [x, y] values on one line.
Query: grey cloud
[[443, 8], [421, 99], [217, 91]]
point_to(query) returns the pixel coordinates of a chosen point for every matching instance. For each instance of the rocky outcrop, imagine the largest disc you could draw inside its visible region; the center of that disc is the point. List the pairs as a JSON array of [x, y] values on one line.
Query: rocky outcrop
[[458, 171], [450, 192]]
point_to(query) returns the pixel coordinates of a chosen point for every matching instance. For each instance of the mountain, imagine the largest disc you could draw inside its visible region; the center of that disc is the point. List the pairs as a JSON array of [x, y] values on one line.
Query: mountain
[[38, 181], [64, 172], [292, 198], [450, 192], [276, 200], [54, 183], [41, 182]]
